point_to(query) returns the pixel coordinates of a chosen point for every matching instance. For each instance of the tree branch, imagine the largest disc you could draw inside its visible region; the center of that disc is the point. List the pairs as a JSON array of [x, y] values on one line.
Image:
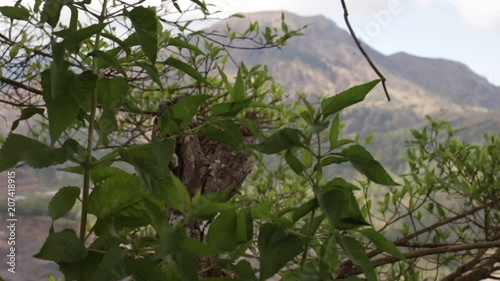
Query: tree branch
[[356, 40]]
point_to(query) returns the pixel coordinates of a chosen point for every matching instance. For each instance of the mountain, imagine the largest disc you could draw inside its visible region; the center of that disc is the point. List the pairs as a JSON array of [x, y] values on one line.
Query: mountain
[[325, 60]]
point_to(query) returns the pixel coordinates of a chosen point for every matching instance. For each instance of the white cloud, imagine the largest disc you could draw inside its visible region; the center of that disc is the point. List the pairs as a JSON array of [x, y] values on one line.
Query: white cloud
[[479, 14]]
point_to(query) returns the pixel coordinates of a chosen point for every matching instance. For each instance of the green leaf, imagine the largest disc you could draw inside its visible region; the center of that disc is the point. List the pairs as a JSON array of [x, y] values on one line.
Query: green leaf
[[277, 247], [15, 13], [333, 159], [304, 209], [87, 32], [229, 87], [120, 43], [152, 72], [224, 131], [282, 140], [294, 162], [334, 131], [382, 243], [222, 233], [243, 269], [26, 114], [144, 270], [36, 154], [356, 253], [179, 42], [262, 210], [229, 108], [238, 93], [179, 116], [115, 194], [111, 95], [244, 225], [184, 67], [332, 204], [145, 25], [147, 159], [14, 50], [62, 247], [347, 98], [51, 12], [364, 162], [63, 201], [107, 60], [109, 264]]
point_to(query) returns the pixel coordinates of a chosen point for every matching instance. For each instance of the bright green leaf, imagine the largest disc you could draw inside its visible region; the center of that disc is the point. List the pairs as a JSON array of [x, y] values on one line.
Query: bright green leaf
[[222, 233], [347, 98], [238, 93], [334, 131]]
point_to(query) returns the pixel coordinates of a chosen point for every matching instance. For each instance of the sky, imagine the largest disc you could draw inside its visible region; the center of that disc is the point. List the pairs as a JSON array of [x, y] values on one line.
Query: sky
[[467, 31], [461, 30]]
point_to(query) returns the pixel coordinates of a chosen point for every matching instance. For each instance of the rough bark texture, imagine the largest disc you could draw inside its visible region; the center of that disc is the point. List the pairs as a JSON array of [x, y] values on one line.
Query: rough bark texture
[[204, 163]]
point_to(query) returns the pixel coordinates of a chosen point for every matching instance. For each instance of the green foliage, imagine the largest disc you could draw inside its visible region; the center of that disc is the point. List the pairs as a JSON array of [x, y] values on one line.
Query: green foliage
[[98, 83]]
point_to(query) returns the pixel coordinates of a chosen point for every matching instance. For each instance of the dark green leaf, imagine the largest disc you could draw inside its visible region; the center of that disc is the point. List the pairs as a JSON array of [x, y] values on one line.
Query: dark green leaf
[[356, 253], [333, 159], [145, 25], [26, 114], [304, 209], [120, 43], [243, 269], [108, 60], [36, 154], [222, 232], [108, 266], [111, 95], [184, 67], [225, 131], [332, 204], [347, 98], [277, 247], [179, 116], [15, 13], [229, 108], [282, 140], [294, 162], [244, 226], [62, 247], [87, 32], [51, 12], [144, 270], [179, 42], [363, 161], [382, 243], [147, 162], [63, 201], [152, 72]]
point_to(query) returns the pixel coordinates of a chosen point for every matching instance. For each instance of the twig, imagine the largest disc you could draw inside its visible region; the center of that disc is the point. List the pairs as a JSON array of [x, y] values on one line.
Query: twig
[[356, 40]]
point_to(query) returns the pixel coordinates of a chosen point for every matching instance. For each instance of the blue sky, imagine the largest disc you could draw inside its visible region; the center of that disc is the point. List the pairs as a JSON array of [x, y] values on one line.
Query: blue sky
[[462, 30]]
